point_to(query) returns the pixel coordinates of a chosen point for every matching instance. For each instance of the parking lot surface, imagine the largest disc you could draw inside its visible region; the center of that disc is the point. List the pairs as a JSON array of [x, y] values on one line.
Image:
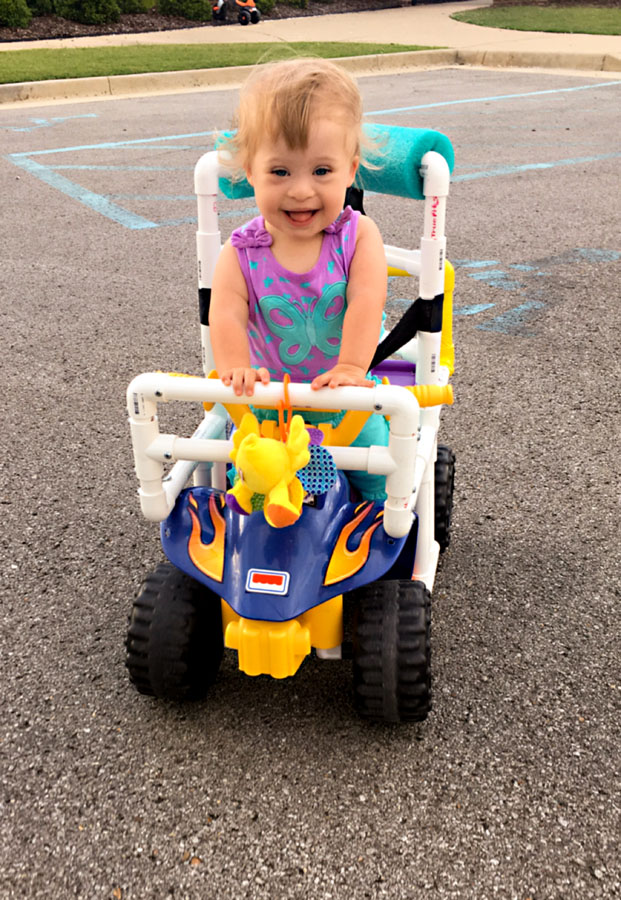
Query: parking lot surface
[[275, 789]]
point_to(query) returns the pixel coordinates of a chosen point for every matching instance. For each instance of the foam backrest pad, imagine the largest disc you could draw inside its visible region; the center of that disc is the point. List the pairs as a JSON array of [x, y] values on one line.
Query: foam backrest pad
[[393, 162]]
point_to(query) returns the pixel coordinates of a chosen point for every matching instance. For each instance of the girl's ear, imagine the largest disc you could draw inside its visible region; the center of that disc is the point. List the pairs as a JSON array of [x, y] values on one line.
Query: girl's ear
[[354, 168], [249, 176]]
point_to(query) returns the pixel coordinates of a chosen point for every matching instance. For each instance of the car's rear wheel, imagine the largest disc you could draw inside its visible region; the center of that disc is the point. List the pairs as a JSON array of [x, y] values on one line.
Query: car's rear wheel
[[444, 486]]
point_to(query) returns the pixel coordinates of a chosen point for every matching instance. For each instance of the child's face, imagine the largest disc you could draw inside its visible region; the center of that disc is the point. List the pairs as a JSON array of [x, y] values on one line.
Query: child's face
[[300, 192]]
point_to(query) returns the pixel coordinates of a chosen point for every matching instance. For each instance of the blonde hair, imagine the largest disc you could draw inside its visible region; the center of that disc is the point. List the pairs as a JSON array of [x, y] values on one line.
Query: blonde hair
[[280, 99]]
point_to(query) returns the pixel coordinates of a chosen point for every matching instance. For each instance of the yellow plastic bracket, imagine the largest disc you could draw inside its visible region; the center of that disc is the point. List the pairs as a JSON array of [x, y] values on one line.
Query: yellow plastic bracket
[[325, 623], [278, 648], [347, 430], [447, 348], [432, 394]]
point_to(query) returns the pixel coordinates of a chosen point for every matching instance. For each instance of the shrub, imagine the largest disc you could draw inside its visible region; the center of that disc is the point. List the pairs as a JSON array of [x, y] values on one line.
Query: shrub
[[197, 10], [41, 7], [88, 12], [266, 6], [131, 6], [14, 14]]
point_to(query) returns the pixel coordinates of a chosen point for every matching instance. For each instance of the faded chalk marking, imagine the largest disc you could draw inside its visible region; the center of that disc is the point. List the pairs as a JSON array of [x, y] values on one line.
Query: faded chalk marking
[[497, 278], [528, 167], [599, 255], [49, 123], [472, 310], [98, 168], [494, 99], [512, 321], [474, 263]]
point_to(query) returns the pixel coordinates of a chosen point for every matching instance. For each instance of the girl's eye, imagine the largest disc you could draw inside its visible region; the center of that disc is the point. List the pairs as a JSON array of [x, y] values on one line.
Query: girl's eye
[[281, 173], [322, 170]]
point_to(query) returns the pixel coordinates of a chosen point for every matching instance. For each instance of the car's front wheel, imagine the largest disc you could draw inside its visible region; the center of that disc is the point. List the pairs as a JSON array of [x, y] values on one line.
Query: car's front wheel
[[392, 651], [174, 640]]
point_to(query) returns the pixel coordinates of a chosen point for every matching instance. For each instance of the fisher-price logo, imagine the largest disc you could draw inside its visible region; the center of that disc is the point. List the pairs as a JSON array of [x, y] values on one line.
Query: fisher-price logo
[[267, 581]]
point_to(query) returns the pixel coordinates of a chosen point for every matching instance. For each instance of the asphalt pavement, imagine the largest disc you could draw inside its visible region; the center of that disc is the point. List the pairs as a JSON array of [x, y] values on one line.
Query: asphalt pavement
[[428, 25], [270, 789]]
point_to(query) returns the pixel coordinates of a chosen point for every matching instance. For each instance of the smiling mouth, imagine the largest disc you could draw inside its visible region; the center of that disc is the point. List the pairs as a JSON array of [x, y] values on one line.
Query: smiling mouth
[[300, 216]]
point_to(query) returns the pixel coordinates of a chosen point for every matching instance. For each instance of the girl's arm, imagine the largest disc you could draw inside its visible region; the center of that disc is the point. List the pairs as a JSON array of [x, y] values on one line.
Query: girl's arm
[[366, 297], [228, 322]]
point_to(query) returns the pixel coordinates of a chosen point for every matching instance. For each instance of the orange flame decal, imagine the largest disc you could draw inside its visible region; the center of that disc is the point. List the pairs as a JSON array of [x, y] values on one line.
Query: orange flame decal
[[209, 558], [344, 562]]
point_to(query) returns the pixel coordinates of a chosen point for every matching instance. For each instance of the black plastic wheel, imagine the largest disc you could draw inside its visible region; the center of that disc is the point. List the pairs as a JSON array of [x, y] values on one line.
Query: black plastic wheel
[[255, 16], [174, 641], [444, 485], [392, 651], [243, 17]]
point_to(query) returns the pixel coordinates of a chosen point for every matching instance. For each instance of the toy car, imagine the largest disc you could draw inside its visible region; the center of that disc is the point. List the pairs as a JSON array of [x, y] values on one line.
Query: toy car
[[292, 562], [247, 11]]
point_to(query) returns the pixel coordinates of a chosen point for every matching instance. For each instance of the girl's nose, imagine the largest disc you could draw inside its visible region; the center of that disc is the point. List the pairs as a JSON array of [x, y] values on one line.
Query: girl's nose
[[300, 188]]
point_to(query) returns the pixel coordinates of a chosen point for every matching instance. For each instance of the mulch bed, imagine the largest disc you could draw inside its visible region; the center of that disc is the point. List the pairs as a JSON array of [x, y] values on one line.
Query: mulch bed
[[42, 27]]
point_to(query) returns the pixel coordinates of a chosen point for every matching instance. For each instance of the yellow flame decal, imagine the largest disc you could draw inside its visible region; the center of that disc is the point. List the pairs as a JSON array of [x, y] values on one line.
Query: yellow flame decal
[[209, 558], [344, 562]]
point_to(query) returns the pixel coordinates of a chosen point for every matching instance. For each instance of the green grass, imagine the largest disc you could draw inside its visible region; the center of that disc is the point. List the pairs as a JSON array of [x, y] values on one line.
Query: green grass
[[82, 62], [564, 19]]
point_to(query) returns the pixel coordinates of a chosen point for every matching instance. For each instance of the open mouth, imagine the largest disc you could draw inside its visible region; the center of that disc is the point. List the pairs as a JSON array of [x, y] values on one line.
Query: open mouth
[[300, 216]]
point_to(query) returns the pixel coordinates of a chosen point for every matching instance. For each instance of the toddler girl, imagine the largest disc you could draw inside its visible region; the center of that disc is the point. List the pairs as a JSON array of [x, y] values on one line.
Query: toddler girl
[[301, 288]]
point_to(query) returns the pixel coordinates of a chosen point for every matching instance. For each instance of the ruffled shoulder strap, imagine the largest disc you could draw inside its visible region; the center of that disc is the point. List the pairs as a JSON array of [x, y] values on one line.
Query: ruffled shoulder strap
[[345, 217], [252, 234]]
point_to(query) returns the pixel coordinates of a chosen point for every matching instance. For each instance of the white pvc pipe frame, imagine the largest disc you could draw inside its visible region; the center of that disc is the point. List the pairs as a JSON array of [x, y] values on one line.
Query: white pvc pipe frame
[[409, 458], [405, 461]]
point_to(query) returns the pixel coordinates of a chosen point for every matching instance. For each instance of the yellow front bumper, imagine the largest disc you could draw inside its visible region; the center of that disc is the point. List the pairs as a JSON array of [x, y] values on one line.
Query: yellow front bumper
[[278, 648]]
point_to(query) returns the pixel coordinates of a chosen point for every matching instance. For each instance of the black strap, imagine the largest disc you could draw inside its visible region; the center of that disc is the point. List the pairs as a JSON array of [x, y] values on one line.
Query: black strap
[[204, 301], [422, 315], [354, 197]]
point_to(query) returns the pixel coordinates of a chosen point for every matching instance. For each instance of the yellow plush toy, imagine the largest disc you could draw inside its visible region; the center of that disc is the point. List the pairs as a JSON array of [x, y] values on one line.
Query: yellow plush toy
[[267, 466]]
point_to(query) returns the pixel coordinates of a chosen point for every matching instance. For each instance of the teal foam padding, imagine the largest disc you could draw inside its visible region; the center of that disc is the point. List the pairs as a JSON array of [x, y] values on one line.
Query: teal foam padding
[[398, 156]]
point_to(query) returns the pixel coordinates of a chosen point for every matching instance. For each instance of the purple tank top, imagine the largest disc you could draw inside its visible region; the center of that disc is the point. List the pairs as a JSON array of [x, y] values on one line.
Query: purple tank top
[[295, 321]]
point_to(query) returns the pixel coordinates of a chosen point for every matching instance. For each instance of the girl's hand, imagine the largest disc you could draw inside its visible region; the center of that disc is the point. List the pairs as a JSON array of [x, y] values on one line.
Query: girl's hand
[[340, 375], [243, 378]]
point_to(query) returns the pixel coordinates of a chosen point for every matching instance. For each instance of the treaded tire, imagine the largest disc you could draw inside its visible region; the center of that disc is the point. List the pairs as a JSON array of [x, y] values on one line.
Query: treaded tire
[[392, 651], [243, 17], [174, 640], [444, 485]]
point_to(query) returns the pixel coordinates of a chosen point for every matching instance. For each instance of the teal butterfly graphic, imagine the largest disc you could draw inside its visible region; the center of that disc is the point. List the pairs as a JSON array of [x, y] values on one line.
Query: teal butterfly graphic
[[304, 330]]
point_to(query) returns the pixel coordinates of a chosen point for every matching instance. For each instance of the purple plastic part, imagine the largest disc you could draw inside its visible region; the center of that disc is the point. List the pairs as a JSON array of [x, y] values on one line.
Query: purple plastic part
[[397, 371], [231, 502], [316, 435]]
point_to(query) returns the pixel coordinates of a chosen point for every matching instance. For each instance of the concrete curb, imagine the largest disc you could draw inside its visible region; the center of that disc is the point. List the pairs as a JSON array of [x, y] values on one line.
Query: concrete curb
[[592, 62], [219, 79]]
